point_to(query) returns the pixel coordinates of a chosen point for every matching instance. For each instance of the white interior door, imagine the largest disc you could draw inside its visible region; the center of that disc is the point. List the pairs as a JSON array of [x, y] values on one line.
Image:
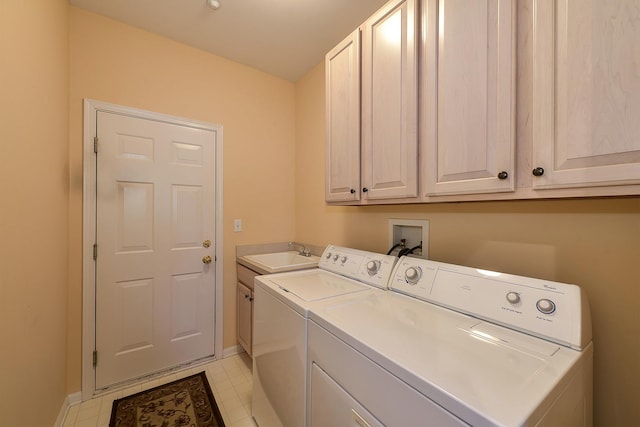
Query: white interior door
[[155, 212]]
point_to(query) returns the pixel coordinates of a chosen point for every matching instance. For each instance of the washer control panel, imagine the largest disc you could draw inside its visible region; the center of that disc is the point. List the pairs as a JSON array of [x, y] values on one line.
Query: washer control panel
[[554, 311], [367, 267]]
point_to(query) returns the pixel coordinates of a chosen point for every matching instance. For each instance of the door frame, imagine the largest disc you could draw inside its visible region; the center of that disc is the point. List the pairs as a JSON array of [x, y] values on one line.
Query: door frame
[[91, 108]]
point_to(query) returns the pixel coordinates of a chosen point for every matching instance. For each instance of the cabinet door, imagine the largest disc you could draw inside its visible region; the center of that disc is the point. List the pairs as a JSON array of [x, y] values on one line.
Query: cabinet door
[[468, 96], [389, 102], [586, 93], [245, 317], [342, 77]]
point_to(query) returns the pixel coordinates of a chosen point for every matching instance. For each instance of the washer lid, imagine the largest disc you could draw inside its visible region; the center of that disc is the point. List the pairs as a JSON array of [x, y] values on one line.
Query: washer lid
[[317, 285]]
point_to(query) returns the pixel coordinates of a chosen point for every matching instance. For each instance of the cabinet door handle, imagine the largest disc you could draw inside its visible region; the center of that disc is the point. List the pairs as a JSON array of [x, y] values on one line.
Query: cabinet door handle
[[503, 175], [538, 171], [365, 189], [352, 191], [250, 299], [247, 296]]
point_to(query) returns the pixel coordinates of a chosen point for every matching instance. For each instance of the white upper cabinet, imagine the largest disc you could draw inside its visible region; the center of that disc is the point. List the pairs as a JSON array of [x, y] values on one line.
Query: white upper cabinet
[[421, 102], [342, 68], [586, 93], [390, 102], [468, 96]]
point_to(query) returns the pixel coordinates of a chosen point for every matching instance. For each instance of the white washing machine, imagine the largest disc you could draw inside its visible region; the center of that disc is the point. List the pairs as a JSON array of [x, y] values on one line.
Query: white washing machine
[[450, 346], [281, 303]]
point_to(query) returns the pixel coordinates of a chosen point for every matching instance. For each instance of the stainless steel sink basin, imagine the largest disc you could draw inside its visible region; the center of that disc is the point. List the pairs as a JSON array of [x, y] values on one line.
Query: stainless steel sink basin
[[283, 261]]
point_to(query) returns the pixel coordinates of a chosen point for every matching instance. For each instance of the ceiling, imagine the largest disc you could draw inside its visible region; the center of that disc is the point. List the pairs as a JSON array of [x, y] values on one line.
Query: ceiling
[[285, 38]]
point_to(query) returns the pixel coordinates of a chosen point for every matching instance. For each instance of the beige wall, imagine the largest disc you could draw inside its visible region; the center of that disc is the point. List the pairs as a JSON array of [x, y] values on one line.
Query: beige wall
[[116, 63], [34, 214], [594, 243], [269, 124]]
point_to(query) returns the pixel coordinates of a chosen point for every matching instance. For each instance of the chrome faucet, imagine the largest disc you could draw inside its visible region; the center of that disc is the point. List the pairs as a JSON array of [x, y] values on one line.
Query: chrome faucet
[[304, 251]]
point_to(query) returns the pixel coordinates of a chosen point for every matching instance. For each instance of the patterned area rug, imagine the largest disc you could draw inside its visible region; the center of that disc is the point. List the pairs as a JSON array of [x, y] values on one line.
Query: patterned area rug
[[187, 402]]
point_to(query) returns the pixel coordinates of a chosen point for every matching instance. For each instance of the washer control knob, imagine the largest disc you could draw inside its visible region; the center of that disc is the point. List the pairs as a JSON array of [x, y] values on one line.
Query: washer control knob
[[372, 267], [335, 257], [546, 306], [513, 297], [413, 274], [328, 255], [344, 259]]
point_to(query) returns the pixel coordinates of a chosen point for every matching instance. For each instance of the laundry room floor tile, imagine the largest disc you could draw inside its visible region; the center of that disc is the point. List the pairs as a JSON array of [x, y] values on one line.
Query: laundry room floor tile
[[230, 380]]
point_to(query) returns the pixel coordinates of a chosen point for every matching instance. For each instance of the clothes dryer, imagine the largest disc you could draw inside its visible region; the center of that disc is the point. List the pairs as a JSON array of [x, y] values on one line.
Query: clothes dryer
[[452, 346]]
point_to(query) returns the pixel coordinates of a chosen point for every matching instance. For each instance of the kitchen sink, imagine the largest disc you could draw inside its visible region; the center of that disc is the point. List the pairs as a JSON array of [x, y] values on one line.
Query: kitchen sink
[[282, 261]]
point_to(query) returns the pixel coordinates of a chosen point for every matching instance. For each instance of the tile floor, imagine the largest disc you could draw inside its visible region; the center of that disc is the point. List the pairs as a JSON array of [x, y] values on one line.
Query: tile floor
[[230, 381]]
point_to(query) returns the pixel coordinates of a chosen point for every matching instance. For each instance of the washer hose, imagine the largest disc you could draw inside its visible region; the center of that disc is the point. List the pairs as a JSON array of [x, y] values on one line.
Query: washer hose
[[402, 242], [407, 251]]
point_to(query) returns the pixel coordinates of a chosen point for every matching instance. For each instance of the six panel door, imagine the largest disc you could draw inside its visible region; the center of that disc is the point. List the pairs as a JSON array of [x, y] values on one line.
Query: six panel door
[[154, 283]]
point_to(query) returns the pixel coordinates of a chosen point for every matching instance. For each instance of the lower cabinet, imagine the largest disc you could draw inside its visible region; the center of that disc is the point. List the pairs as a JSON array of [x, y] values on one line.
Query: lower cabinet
[[244, 308], [245, 317]]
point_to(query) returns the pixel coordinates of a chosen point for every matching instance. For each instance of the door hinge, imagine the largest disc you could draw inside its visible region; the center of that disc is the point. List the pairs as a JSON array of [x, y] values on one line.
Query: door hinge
[[95, 251], [95, 144], [95, 358]]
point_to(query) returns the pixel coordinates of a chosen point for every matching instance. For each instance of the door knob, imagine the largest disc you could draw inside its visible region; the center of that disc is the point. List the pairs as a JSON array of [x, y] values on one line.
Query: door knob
[[206, 243], [206, 259]]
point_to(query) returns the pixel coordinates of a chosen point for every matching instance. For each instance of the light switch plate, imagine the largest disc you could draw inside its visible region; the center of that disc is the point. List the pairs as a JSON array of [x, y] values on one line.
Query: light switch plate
[[237, 225]]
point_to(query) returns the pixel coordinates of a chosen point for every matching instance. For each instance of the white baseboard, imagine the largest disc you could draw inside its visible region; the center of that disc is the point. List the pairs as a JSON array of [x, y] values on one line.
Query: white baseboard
[[70, 400], [230, 351]]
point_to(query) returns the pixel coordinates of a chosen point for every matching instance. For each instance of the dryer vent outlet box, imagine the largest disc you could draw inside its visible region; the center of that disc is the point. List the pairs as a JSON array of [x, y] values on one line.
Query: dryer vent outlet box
[[414, 232]]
